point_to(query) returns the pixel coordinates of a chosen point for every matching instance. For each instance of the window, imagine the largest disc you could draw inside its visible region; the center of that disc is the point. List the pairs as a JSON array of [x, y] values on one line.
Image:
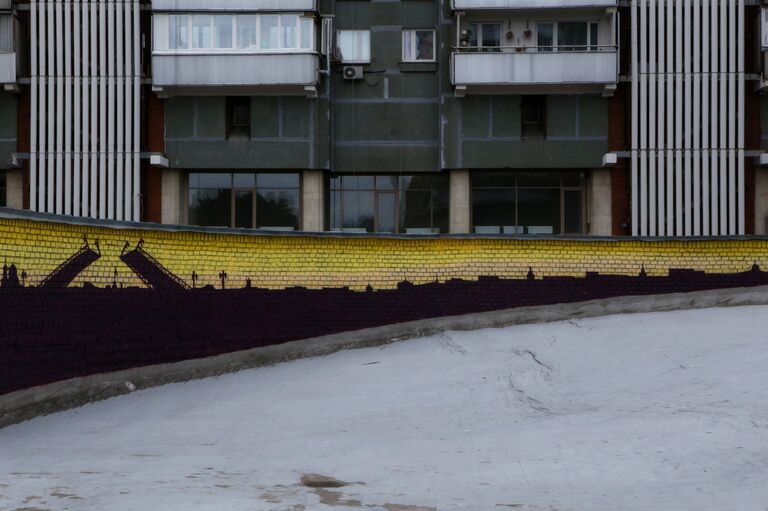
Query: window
[[485, 36], [178, 31], [389, 203], [533, 117], [418, 45], [3, 192], [245, 200], [568, 36], [239, 116], [270, 32], [355, 46], [202, 31], [545, 36], [528, 203]]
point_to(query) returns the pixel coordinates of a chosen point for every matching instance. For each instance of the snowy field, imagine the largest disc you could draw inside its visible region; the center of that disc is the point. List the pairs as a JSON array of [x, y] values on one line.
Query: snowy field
[[661, 412]]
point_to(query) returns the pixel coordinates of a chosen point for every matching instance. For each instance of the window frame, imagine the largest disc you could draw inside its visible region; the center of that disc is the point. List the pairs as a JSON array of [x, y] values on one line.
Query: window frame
[[589, 47], [234, 48], [353, 61], [399, 191], [562, 188], [480, 46], [232, 190], [412, 58]]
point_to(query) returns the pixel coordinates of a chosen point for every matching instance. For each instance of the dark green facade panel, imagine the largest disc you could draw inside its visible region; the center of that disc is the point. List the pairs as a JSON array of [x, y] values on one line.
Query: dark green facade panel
[[406, 13], [289, 132], [533, 154], [8, 113], [386, 158], [241, 154], [386, 122], [382, 86]]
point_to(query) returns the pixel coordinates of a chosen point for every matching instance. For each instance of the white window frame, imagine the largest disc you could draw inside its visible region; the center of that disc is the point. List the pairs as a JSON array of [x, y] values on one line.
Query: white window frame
[[165, 45], [411, 56], [556, 34], [352, 61]]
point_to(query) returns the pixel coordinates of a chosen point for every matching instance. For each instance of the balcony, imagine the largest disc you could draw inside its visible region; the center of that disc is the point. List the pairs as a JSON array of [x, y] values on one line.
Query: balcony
[[469, 5], [233, 53], [520, 70], [285, 73], [234, 5], [9, 43]]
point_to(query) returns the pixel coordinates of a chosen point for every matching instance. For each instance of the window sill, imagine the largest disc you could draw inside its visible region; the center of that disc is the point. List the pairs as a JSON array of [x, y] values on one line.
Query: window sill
[[418, 67]]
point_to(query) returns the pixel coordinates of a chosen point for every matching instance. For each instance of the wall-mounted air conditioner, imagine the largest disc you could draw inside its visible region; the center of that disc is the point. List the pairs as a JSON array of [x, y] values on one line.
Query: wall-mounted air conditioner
[[352, 72]]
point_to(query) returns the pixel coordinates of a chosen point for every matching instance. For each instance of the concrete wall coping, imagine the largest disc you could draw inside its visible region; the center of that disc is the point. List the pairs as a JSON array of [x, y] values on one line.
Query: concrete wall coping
[[26, 404], [18, 214]]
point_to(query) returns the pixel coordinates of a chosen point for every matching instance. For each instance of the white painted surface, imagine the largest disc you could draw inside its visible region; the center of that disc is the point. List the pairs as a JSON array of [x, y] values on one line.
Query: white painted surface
[[528, 68], [8, 67], [234, 70], [636, 412], [236, 5], [87, 99], [691, 66], [530, 4]]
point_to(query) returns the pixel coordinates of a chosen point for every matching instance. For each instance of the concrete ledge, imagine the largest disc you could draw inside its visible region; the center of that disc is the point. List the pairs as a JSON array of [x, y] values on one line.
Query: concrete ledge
[[45, 399]]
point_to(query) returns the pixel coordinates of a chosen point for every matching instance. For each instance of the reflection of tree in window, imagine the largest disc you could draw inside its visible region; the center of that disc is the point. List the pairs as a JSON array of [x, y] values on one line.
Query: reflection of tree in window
[[210, 207], [277, 208], [390, 203], [425, 48]]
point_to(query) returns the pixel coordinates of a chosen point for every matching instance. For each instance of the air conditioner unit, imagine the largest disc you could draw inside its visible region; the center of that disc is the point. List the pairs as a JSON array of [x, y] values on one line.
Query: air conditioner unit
[[352, 72]]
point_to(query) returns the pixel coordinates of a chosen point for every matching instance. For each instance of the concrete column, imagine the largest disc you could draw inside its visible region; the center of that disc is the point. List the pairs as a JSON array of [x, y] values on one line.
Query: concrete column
[[312, 200], [14, 187], [460, 202], [172, 198], [761, 200], [599, 197]]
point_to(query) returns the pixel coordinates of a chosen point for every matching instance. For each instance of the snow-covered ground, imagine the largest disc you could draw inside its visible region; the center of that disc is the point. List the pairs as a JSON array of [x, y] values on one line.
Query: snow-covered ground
[[665, 411]]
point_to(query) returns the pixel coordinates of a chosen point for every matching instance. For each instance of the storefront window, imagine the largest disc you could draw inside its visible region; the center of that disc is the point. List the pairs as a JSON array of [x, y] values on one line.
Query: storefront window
[[528, 203], [245, 200], [389, 203]]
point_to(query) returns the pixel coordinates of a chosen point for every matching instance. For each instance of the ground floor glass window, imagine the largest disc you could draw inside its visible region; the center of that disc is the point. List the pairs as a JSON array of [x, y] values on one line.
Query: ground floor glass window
[[415, 204], [528, 203], [2, 189], [245, 200]]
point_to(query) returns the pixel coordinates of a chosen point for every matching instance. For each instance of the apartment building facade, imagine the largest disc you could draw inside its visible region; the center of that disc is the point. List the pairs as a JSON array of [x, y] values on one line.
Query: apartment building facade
[[536, 117]]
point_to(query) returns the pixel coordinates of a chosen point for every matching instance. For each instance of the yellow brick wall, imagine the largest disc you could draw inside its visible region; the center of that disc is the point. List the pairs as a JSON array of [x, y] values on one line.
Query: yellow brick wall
[[276, 262]]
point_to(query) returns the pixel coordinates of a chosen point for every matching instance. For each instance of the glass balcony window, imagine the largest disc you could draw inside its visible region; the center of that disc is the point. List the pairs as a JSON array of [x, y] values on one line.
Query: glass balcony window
[[243, 32]]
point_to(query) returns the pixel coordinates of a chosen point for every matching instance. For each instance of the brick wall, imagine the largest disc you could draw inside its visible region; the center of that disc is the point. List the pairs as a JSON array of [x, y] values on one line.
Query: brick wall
[[84, 299]]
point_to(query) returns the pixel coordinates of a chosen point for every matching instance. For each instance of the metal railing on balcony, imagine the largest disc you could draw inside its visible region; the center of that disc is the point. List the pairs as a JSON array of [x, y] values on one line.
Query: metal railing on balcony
[[533, 65]]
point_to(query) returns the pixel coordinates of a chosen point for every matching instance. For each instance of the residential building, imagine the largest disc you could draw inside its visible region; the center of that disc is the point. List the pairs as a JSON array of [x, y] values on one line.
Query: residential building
[[536, 117]]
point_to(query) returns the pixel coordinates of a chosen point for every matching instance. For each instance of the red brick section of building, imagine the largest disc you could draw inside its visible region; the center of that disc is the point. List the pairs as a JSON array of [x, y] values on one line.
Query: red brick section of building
[[618, 136], [155, 143]]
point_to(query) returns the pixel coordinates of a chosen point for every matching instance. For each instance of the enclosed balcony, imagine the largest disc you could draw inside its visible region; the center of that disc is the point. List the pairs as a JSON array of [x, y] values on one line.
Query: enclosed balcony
[[205, 53], [9, 42], [468, 5], [233, 5], [539, 51]]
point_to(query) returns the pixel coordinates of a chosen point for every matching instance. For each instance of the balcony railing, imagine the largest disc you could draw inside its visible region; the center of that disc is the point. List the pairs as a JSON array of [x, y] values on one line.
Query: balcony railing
[[531, 65], [241, 70], [8, 67], [460, 5]]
